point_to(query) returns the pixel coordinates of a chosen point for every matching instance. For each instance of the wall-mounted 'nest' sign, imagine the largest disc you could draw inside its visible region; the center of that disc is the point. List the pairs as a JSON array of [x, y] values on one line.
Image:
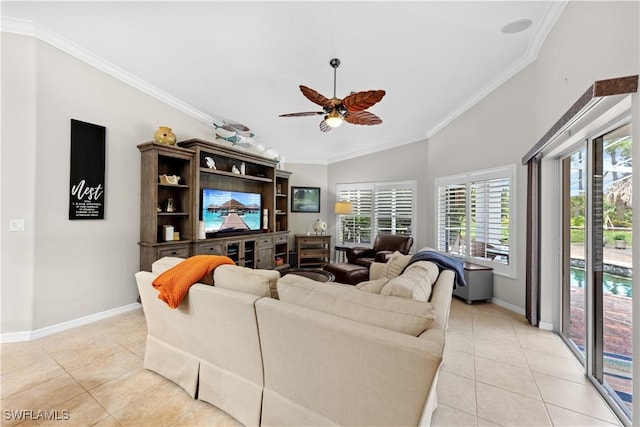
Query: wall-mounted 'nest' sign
[[86, 192]]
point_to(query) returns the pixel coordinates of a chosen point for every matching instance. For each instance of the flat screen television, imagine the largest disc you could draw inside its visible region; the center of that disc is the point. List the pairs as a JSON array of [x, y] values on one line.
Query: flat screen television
[[226, 211]]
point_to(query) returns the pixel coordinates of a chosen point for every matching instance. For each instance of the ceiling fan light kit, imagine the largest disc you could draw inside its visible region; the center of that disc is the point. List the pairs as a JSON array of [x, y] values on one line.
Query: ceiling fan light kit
[[333, 119], [351, 109]]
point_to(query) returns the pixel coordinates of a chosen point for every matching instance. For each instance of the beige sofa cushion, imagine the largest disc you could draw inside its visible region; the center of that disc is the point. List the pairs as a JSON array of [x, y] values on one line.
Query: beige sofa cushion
[[373, 286], [397, 314], [415, 283], [256, 282], [394, 266]]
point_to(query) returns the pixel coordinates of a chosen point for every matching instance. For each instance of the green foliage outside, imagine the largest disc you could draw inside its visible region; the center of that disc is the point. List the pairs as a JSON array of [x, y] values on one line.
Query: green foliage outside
[[613, 217], [578, 236]]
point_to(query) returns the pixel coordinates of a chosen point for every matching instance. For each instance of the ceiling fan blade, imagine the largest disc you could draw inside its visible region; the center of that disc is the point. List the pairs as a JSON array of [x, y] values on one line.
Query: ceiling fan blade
[[362, 118], [362, 100], [324, 127], [306, 113], [315, 97]]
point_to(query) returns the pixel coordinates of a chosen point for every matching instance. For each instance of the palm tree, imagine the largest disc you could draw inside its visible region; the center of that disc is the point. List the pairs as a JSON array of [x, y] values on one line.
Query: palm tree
[[620, 194]]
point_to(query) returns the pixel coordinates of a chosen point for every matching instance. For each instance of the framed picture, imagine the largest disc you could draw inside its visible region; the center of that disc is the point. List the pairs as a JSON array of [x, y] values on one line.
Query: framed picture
[[305, 199]]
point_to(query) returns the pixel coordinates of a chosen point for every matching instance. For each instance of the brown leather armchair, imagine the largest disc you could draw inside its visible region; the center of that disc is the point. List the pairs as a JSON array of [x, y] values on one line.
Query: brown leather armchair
[[383, 247]]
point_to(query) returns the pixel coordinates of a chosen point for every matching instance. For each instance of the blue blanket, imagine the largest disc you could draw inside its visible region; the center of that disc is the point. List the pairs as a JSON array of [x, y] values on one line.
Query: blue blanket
[[444, 262]]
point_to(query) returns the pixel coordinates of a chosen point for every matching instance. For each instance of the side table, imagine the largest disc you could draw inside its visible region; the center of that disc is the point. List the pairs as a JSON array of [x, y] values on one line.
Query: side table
[[479, 283], [341, 253]]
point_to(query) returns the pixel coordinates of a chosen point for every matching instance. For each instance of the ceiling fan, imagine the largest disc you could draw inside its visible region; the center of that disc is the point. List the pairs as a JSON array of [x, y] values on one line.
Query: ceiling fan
[[351, 109]]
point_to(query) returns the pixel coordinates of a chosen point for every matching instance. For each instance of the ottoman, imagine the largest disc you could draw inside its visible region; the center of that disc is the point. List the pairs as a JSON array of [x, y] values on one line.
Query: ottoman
[[349, 274]]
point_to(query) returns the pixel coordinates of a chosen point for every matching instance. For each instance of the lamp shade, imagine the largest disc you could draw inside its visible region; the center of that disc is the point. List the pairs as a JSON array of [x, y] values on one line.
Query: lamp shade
[[343, 207]]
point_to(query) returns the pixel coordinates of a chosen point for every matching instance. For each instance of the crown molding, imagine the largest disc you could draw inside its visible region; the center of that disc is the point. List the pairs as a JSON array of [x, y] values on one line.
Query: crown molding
[[552, 14], [381, 147], [29, 28]]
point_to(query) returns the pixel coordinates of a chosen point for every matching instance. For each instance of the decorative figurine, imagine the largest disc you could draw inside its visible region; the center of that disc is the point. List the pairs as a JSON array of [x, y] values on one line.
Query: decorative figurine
[[210, 163], [319, 227]]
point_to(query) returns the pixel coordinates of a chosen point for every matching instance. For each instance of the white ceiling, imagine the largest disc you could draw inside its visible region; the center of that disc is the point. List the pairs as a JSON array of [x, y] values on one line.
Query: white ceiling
[[243, 61]]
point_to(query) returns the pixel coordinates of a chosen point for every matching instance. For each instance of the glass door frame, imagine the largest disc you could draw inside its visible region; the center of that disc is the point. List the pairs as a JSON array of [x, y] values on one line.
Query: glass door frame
[[565, 267], [594, 259]]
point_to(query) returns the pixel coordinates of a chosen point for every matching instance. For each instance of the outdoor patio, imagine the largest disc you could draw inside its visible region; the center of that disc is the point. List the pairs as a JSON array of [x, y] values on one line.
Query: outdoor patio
[[617, 326]]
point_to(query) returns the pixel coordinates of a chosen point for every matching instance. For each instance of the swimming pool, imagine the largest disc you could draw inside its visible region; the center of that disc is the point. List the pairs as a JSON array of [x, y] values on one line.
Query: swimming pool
[[614, 285]]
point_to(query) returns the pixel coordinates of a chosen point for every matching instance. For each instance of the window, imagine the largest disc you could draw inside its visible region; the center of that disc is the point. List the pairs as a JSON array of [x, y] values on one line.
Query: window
[[378, 208], [475, 217]]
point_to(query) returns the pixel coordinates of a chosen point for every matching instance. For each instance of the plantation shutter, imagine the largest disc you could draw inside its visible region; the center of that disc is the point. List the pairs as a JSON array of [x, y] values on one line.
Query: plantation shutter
[[489, 214], [451, 218], [394, 210], [356, 228], [474, 217]]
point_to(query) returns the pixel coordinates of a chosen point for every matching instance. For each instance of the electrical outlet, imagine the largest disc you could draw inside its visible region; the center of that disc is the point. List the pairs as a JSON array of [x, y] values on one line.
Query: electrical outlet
[[16, 225]]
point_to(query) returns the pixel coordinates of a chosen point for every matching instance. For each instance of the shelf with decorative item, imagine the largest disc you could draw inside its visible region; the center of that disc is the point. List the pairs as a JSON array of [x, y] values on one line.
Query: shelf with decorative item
[[178, 186], [236, 175]]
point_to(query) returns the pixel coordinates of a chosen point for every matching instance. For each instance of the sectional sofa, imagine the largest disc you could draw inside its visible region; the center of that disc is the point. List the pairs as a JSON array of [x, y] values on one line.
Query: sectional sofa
[[291, 351]]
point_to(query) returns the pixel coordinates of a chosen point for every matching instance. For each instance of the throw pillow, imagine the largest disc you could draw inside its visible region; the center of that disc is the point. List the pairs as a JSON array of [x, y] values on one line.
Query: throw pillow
[[395, 265], [373, 286], [397, 314], [415, 283], [256, 282]]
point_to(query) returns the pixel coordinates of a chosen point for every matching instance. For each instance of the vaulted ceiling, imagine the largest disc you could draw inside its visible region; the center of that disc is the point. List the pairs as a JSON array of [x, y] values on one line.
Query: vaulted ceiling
[[243, 61]]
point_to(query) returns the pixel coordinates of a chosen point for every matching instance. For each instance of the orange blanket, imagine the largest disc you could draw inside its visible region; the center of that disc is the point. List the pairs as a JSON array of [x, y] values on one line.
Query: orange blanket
[[174, 283]]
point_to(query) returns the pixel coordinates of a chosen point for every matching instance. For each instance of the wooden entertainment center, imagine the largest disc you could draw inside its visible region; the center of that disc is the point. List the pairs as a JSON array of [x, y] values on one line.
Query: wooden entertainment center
[[172, 181]]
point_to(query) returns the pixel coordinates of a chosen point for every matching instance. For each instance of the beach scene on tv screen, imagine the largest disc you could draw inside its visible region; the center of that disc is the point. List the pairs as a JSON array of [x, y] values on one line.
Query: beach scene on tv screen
[[230, 210]]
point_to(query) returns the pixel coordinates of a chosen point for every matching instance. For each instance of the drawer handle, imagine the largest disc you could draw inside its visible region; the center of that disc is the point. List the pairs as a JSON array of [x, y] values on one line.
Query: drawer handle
[[174, 253]]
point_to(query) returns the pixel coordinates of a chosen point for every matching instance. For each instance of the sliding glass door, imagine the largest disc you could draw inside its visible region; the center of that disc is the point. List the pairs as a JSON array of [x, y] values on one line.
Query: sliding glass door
[[612, 265], [597, 261], [574, 227]]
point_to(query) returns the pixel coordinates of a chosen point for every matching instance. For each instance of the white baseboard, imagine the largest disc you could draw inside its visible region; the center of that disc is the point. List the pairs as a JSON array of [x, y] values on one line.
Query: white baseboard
[[43, 332], [542, 325], [508, 306], [545, 326]]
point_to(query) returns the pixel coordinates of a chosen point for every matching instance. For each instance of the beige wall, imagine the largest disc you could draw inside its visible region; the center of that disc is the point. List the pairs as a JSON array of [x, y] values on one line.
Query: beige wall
[[60, 270], [495, 132], [406, 162], [307, 175], [18, 179], [591, 41]]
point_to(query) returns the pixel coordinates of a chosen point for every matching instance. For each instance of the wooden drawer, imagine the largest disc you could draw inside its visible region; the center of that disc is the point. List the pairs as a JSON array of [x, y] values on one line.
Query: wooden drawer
[[313, 240], [266, 242], [281, 239], [210, 248], [312, 253], [180, 251]]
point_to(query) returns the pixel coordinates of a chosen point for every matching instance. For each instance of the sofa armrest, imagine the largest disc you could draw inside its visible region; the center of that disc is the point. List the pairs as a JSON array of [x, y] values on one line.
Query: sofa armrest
[[359, 252], [383, 256], [441, 295], [165, 263]]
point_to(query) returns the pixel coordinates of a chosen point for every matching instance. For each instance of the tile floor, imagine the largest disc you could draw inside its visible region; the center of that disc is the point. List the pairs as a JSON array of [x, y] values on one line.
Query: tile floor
[[497, 371]]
